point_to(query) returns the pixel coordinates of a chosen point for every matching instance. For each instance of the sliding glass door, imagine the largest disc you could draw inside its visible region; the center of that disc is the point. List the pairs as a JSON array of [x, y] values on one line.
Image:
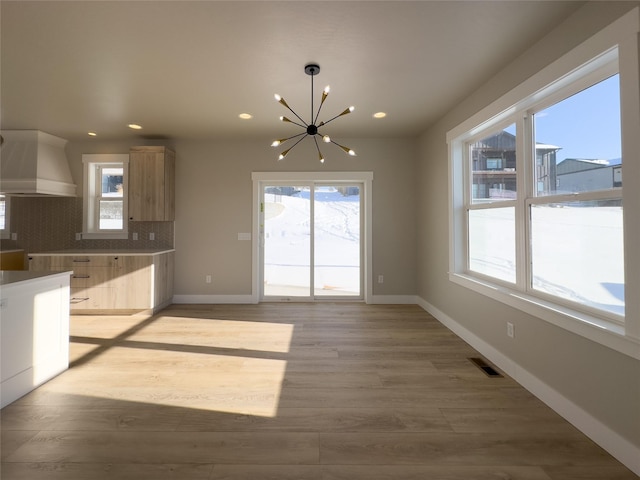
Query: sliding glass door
[[311, 242]]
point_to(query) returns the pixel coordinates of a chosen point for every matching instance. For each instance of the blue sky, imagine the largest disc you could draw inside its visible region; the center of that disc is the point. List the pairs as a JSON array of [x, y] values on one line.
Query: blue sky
[[586, 125]]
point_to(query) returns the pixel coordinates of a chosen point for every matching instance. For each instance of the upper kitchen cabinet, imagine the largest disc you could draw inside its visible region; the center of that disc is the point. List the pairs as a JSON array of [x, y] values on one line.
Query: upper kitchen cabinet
[[151, 184]]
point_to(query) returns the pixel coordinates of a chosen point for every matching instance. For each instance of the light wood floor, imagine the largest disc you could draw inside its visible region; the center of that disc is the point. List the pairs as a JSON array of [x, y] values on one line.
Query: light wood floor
[[286, 392]]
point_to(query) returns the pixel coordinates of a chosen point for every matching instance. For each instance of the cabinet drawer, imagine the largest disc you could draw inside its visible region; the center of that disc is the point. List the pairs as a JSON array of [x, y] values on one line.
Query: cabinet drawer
[[92, 298], [85, 276], [68, 262], [86, 261]]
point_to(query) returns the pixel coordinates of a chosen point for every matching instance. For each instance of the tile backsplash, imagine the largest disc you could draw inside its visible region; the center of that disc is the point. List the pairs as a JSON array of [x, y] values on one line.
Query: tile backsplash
[[51, 223]]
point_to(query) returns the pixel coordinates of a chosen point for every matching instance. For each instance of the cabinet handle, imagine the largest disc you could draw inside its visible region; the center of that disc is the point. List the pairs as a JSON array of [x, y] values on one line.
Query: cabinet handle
[[80, 276], [86, 260], [78, 299]]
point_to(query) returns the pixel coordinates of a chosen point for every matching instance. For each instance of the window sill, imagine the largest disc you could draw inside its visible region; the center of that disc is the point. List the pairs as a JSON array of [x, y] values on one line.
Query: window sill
[[105, 236], [599, 330]]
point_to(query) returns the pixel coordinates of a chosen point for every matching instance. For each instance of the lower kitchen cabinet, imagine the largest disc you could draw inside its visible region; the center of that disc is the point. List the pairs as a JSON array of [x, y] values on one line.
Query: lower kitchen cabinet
[[113, 281]]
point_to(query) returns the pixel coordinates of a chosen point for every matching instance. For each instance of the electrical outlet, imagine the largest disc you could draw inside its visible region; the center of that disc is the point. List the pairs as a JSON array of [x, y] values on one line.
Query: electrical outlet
[[380, 279], [78, 236], [135, 235], [207, 279], [152, 236], [510, 330], [14, 236]]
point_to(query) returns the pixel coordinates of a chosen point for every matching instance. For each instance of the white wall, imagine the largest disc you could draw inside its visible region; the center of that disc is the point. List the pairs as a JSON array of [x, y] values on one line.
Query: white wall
[[602, 383]]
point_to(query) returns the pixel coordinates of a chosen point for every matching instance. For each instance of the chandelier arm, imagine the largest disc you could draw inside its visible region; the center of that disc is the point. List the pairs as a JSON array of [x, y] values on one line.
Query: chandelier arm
[[295, 123], [345, 112], [305, 123], [345, 149], [292, 146], [319, 108], [289, 138], [318, 148]]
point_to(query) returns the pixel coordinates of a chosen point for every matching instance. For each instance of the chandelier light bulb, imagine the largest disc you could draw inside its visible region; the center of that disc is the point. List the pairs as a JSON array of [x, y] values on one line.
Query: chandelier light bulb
[[276, 143], [352, 153], [277, 97], [326, 139]]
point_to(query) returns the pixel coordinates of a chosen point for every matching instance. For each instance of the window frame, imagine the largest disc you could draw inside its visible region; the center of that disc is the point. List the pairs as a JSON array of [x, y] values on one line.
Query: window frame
[[92, 195], [612, 50]]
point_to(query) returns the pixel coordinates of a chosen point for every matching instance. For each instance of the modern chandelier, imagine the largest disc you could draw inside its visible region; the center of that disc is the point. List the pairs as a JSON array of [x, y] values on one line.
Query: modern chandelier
[[312, 128]]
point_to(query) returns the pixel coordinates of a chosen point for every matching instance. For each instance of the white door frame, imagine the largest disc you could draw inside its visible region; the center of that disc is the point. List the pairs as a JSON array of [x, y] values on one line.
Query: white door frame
[[257, 237]]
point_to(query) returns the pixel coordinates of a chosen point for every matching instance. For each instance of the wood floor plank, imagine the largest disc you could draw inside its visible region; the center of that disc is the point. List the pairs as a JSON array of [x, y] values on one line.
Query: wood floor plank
[[454, 449], [168, 447], [105, 471], [266, 472], [494, 420], [421, 472], [321, 420]]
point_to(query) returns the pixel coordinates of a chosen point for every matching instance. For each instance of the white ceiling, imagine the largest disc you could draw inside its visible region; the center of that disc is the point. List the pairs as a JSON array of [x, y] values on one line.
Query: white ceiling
[[187, 69]]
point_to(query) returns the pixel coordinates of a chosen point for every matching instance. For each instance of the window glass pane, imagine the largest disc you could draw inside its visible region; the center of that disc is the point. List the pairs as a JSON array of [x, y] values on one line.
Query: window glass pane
[[111, 215], [3, 217], [577, 252], [111, 182], [336, 240], [578, 142], [492, 242], [493, 163], [287, 241]]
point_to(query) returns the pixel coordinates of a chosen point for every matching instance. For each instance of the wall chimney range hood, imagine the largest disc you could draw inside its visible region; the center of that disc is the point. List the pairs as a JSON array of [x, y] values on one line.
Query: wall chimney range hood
[[34, 163]]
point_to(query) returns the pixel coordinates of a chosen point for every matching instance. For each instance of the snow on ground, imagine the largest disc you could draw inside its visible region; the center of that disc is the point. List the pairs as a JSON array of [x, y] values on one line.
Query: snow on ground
[[577, 252]]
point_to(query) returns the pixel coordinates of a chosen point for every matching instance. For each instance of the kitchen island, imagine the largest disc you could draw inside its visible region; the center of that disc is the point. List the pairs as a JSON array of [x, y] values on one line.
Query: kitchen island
[[34, 330]]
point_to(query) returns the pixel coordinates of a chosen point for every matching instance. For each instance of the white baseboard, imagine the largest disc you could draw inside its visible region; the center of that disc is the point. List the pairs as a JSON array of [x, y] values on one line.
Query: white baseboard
[[243, 299], [624, 451], [212, 299]]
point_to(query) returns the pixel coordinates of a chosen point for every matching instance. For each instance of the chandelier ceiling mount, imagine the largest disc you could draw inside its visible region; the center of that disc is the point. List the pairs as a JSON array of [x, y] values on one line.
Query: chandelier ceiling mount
[[311, 128]]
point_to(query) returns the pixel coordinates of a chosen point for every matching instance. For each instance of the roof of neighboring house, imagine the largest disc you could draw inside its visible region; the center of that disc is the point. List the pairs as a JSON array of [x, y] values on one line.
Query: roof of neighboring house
[[569, 165], [505, 141]]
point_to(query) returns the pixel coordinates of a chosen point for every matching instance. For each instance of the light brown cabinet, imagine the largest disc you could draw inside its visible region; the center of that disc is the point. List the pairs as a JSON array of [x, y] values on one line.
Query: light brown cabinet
[[113, 282], [151, 184]]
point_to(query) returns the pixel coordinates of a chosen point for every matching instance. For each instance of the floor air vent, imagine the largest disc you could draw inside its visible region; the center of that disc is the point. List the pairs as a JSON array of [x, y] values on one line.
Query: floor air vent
[[485, 367]]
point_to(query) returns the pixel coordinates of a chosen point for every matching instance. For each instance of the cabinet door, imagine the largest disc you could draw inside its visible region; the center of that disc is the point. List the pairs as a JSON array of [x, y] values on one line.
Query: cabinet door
[[163, 282], [151, 184], [135, 282]]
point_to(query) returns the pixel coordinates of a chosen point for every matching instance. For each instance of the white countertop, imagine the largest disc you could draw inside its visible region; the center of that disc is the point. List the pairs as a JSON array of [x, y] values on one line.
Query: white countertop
[[108, 252], [11, 277]]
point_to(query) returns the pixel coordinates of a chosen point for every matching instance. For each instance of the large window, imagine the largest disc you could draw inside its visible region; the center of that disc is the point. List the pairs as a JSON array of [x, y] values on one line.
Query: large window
[[105, 202], [538, 199]]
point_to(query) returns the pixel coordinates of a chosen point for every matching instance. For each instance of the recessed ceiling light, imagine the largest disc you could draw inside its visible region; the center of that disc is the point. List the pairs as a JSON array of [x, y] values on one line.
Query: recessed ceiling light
[[92, 134], [379, 115], [245, 116], [135, 126]]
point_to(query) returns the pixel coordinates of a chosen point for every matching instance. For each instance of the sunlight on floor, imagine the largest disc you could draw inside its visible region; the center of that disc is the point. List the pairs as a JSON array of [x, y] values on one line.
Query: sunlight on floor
[[226, 366]]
